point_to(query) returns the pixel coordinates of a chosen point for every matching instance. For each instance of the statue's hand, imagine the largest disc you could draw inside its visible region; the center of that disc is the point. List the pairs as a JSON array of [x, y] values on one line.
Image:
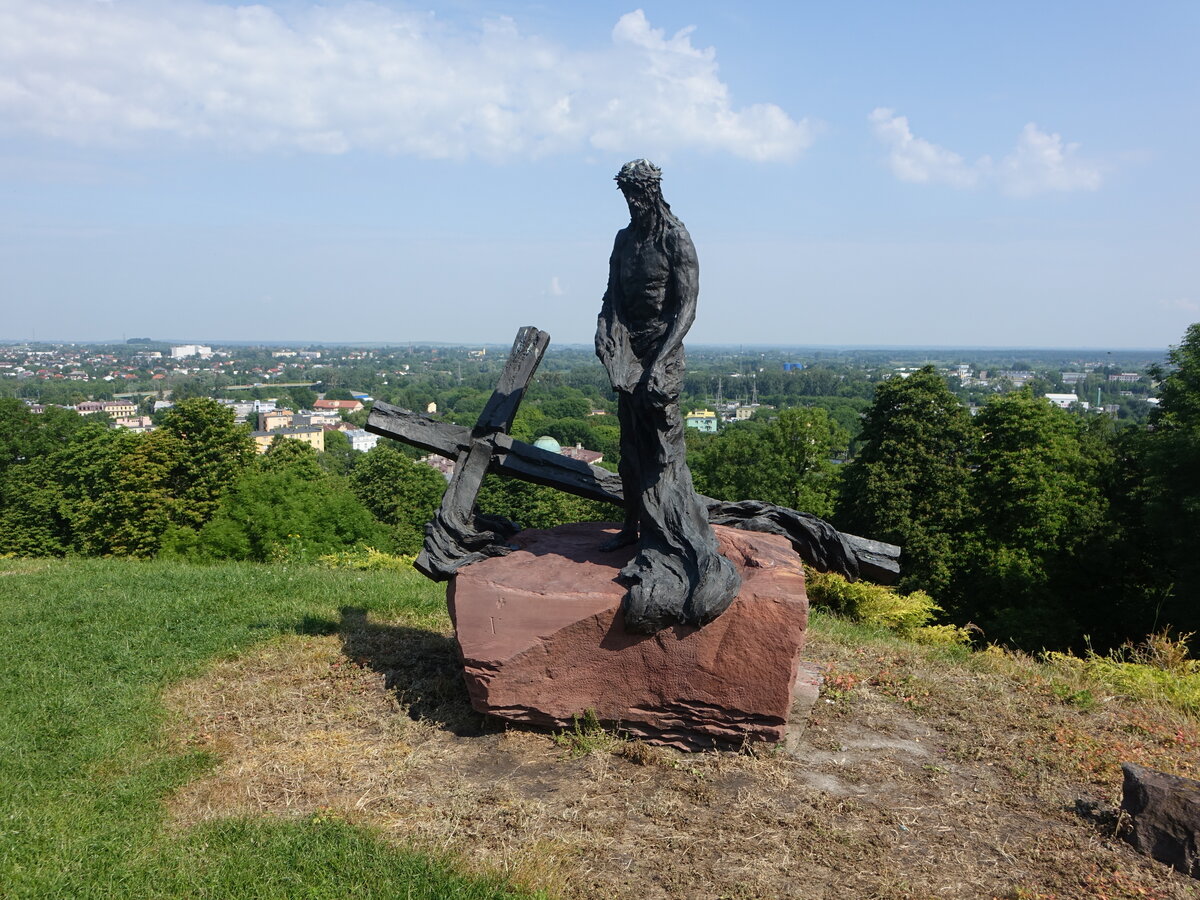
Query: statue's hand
[[656, 383]]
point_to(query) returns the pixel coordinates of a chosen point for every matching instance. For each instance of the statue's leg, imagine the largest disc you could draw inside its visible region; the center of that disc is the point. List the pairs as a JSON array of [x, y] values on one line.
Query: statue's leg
[[628, 468], [678, 575]]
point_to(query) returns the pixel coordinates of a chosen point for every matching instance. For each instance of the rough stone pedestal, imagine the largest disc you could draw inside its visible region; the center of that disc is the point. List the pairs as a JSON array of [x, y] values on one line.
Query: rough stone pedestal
[[542, 640]]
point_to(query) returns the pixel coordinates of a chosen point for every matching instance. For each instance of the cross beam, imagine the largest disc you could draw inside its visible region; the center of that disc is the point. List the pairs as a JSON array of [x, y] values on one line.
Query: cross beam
[[459, 534], [510, 457]]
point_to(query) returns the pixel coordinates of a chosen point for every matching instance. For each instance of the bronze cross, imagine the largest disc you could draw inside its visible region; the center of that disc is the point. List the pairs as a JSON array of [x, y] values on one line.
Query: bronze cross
[[488, 446]]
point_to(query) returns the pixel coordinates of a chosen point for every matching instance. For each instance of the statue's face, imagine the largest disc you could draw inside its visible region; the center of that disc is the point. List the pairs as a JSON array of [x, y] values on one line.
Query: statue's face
[[626, 186], [636, 195]]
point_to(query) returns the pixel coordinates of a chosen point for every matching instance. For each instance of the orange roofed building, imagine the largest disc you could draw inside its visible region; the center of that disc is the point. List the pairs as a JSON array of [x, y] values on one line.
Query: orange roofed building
[[339, 405]]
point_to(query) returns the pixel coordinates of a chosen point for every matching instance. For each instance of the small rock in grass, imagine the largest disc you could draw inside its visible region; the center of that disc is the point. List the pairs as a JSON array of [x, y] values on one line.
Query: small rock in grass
[[1164, 811]]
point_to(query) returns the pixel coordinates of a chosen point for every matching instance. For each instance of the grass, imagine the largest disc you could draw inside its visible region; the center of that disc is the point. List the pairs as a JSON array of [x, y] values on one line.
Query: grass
[[1158, 670], [586, 735], [85, 761], [1087, 714], [925, 771], [174, 730]]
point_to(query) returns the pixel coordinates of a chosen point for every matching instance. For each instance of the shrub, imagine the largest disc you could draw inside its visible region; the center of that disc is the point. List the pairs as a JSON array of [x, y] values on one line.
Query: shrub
[[287, 509], [1157, 669], [366, 560], [873, 604]]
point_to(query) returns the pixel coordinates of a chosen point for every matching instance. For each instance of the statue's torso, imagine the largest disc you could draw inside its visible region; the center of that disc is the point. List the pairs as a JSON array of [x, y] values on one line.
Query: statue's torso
[[644, 272]]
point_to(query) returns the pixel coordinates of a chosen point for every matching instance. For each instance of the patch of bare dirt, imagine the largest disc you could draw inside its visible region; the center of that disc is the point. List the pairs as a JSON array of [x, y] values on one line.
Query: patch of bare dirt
[[916, 778]]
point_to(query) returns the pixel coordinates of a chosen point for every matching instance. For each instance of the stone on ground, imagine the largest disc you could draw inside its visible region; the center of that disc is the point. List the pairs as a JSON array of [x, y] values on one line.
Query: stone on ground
[[1164, 812]]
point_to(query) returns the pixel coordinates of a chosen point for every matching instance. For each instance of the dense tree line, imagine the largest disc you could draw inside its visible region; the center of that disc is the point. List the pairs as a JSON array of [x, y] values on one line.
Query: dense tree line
[[195, 486], [1043, 527]]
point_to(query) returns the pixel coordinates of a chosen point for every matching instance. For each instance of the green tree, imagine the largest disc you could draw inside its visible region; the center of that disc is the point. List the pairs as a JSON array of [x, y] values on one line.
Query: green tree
[[106, 493], [568, 407], [1179, 392], [287, 505], [1172, 483], [16, 426], [608, 442], [1038, 506], [399, 492], [338, 456], [529, 424], [25, 435], [1033, 482], [137, 506], [295, 457], [539, 506], [788, 462], [215, 451], [908, 485], [729, 465], [189, 389], [302, 397], [569, 432], [33, 520]]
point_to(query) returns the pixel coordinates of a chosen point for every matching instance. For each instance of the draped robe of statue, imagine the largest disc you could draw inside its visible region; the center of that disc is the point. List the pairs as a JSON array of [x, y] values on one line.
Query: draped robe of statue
[[677, 576]]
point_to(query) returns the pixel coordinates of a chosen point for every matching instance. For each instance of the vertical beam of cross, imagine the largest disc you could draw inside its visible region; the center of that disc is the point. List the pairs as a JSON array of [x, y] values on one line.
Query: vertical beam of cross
[[455, 525]]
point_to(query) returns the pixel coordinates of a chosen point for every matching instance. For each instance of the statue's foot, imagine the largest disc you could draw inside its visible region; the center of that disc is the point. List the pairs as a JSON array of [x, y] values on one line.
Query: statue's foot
[[622, 538]]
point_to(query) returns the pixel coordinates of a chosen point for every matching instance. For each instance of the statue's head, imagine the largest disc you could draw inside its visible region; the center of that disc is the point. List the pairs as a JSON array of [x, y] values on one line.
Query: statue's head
[[641, 182], [638, 175]]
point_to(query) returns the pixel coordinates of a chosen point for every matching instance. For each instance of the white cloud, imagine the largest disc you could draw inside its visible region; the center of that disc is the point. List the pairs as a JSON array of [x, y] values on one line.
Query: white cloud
[[1040, 161], [327, 79], [555, 289], [915, 159]]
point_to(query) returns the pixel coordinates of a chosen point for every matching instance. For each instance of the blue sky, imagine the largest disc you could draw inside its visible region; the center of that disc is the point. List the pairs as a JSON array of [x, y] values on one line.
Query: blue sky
[[1017, 174]]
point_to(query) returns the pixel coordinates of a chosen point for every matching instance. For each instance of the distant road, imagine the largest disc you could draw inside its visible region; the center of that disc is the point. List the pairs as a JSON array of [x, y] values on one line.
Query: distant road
[[271, 384], [228, 387]]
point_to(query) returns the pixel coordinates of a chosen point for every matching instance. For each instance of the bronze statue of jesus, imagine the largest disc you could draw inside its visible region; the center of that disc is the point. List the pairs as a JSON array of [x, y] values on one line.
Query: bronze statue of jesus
[[677, 576]]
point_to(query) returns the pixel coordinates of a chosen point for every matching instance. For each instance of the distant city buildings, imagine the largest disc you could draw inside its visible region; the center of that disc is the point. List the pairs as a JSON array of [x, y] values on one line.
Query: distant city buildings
[[581, 453], [362, 440], [339, 405], [1066, 401], [1018, 377], [137, 424], [123, 383], [183, 351], [314, 437], [275, 419], [114, 408]]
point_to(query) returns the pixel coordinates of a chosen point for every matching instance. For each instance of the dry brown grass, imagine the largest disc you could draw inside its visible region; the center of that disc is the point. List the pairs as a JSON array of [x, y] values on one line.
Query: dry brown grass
[[919, 777]]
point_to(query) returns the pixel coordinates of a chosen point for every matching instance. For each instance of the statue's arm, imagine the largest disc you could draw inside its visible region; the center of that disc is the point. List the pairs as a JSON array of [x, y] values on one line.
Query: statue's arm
[[683, 288], [612, 340]]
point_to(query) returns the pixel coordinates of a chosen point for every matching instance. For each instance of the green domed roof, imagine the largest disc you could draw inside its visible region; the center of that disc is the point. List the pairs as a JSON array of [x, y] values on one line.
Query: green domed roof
[[548, 443]]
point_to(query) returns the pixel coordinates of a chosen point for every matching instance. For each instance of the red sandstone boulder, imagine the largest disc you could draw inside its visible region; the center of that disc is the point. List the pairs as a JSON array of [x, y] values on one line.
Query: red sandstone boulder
[[542, 640]]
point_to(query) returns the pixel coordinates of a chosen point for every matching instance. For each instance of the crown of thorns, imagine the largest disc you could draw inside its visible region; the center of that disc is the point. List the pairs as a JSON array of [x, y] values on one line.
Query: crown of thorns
[[639, 172]]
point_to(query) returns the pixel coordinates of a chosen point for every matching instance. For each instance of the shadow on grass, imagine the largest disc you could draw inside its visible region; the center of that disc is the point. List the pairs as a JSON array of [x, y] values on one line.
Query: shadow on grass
[[421, 666], [1103, 817]]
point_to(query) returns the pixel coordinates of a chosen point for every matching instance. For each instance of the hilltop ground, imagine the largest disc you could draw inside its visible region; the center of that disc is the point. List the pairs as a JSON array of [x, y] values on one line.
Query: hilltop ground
[[924, 772]]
